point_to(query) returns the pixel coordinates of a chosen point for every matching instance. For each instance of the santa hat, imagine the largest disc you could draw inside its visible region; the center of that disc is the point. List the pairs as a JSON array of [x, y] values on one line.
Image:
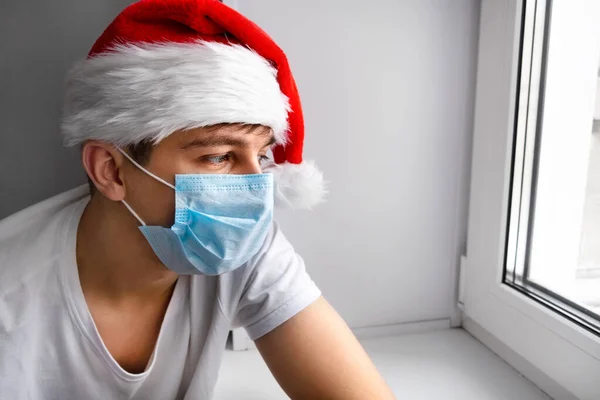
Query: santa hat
[[167, 65]]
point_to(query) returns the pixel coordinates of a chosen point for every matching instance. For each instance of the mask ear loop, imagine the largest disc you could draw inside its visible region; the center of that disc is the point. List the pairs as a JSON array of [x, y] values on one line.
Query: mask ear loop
[[161, 180], [141, 221], [133, 213]]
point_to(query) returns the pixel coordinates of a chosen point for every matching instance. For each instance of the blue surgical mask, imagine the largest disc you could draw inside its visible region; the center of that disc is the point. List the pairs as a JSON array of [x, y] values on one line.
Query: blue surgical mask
[[221, 221]]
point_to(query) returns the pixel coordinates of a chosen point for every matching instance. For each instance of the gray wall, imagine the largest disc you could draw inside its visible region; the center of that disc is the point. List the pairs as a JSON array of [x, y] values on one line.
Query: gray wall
[[388, 93], [39, 41], [388, 89]]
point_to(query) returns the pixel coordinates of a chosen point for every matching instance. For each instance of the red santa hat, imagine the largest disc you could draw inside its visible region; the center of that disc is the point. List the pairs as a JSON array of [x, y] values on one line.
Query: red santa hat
[[167, 65]]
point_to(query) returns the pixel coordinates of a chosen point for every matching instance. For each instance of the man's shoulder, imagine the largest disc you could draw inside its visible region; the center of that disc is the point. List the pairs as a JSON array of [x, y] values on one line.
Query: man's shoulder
[[269, 289], [29, 238]]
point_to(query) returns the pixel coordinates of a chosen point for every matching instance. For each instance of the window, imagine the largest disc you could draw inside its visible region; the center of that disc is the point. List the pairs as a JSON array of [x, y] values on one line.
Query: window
[[553, 249], [533, 202]]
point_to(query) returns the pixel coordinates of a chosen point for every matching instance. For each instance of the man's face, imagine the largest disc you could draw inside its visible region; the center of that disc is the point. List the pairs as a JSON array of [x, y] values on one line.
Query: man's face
[[227, 149]]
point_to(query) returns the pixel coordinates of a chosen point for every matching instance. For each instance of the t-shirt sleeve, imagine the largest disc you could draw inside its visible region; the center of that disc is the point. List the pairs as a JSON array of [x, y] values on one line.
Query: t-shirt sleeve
[[268, 290]]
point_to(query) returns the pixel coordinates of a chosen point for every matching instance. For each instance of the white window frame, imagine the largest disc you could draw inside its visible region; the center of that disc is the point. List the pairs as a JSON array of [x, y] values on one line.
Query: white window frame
[[562, 358]]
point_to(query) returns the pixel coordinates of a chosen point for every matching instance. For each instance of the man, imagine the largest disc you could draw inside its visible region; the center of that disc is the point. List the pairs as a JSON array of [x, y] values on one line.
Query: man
[[129, 292]]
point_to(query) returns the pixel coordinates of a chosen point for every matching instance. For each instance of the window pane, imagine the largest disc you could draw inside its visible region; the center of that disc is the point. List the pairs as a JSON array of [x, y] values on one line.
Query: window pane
[[587, 281], [554, 223]]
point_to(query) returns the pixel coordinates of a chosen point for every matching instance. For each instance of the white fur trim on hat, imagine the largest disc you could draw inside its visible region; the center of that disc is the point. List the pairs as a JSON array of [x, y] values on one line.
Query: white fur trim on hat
[[298, 186], [147, 91]]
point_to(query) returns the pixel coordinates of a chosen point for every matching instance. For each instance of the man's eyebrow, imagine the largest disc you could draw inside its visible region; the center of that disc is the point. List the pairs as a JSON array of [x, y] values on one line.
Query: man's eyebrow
[[214, 140], [223, 140], [271, 141]]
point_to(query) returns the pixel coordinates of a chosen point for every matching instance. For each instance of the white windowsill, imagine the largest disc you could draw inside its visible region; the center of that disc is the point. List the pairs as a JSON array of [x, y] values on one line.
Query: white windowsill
[[448, 364]]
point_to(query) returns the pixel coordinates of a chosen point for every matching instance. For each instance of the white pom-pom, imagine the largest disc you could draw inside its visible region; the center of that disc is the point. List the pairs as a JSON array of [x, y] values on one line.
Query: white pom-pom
[[298, 186]]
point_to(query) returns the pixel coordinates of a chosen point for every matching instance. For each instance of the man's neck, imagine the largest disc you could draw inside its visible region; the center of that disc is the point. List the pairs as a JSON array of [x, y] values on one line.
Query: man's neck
[[114, 259]]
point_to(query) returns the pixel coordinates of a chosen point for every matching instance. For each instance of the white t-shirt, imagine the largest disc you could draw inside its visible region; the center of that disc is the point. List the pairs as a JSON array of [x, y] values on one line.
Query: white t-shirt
[[51, 349]]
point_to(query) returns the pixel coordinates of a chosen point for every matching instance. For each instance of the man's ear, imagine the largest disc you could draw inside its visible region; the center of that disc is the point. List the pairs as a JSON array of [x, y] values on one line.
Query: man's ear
[[103, 163]]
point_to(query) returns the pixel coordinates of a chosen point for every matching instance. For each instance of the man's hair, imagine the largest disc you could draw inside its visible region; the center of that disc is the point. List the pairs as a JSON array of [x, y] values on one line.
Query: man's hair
[[141, 151]]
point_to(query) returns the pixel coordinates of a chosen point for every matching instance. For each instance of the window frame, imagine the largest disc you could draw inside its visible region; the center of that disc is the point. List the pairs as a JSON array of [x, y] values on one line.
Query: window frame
[[561, 350]]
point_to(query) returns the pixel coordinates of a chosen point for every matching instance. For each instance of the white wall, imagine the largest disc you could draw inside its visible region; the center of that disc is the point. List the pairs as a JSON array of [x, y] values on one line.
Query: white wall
[[388, 89], [39, 41]]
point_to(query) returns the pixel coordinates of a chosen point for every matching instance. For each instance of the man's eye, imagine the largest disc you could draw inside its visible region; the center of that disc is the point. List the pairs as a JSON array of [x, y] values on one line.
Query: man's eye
[[263, 159], [217, 159]]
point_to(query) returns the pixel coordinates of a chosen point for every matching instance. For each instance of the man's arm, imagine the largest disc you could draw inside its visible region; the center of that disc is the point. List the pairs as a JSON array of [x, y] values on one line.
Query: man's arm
[[314, 355]]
